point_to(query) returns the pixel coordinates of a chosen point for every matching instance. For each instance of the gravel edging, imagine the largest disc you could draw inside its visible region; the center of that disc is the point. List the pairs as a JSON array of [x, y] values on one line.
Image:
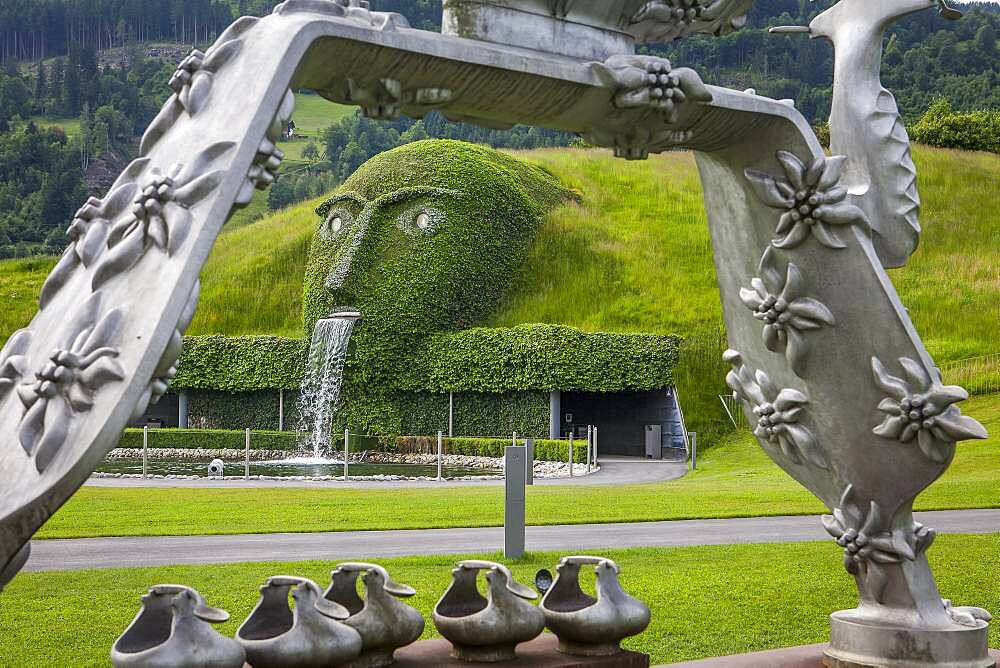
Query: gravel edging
[[541, 470]]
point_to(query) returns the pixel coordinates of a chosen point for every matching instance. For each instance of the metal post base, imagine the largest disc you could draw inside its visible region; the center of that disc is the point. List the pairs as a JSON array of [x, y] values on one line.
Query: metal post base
[[855, 644], [574, 648], [485, 653]]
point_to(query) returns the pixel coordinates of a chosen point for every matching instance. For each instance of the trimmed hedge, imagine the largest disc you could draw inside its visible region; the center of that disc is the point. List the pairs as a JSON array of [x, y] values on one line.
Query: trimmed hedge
[[241, 363], [211, 439], [545, 450], [544, 357], [258, 410]]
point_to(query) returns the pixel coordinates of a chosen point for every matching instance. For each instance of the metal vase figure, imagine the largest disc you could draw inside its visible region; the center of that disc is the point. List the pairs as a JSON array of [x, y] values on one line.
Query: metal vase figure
[[588, 626], [487, 629], [384, 622], [173, 628], [309, 634]]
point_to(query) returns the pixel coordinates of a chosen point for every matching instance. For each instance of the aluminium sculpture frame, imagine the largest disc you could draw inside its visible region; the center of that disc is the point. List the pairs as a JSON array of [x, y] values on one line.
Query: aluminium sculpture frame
[[841, 391]]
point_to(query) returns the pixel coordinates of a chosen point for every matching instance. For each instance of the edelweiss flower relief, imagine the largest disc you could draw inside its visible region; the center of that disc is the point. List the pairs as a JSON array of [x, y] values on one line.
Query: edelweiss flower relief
[[193, 78], [811, 198], [921, 409], [67, 383], [778, 413], [13, 363], [88, 233], [869, 545], [160, 216], [778, 301]]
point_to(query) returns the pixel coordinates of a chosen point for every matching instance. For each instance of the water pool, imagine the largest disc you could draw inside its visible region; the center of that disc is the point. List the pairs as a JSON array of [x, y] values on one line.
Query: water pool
[[287, 469]]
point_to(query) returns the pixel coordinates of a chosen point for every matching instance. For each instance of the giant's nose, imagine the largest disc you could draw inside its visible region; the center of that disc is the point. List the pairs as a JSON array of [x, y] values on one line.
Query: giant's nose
[[345, 262]]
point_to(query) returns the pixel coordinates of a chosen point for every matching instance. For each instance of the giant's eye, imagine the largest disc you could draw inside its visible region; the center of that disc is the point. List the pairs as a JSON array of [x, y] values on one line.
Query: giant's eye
[[421, 220], [336, 222]]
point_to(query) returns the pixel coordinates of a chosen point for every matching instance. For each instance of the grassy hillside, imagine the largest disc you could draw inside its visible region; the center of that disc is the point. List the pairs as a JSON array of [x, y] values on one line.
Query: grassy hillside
[[632, 255]]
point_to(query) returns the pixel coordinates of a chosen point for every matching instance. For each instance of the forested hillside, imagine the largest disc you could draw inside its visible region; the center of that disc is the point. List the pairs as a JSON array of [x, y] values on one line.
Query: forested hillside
[[81, 79]]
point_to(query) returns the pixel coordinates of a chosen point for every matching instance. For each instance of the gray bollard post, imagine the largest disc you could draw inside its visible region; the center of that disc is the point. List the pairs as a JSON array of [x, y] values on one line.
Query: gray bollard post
[[246, 458], [145, 447], [595, 445], [590, 444], [513, 439], [514, 502], [347, 451], [694, 449], [281, 410], [529, 461], [440, 455], [571, 454]]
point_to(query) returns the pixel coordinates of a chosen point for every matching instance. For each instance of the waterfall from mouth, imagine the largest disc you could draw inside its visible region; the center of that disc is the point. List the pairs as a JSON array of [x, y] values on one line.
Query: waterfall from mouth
[[323, 379]]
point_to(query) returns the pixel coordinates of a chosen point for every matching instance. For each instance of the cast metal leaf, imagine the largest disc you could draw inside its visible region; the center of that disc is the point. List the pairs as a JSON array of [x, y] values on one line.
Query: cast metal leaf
[[13, 362]]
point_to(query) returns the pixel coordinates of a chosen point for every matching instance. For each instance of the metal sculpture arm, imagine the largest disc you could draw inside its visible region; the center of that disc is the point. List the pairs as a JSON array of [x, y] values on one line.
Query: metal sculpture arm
[[865, 124], [106, 338]]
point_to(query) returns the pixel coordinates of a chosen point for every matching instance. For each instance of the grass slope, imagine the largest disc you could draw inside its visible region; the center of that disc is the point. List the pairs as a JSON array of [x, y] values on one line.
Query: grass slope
[[706, 601], [252, 282], [632, 255], [734, 479], [641, 237]]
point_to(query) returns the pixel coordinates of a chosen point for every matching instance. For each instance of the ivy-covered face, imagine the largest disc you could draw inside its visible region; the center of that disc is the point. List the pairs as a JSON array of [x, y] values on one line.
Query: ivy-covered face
[[425, 238]]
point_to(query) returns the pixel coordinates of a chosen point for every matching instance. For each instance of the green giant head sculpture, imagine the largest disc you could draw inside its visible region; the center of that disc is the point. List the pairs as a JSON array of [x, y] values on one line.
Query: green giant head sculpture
[[422, 239]]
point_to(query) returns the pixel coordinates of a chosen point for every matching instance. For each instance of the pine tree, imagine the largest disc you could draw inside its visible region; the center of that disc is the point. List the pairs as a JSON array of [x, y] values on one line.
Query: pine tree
[[41, 89]]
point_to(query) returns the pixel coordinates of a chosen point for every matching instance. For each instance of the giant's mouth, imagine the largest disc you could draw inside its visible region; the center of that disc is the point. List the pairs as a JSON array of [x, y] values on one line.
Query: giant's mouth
[[347, 312]]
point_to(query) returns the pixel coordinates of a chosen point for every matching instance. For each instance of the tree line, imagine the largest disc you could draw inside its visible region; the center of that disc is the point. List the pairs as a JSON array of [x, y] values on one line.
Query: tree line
[[35, 29]]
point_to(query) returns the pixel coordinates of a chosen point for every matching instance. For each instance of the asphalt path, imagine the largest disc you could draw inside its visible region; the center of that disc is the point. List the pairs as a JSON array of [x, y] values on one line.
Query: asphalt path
[[74, 554]]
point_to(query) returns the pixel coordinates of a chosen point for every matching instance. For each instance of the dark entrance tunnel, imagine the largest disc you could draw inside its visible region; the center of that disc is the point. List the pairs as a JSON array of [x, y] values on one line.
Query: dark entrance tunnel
[[624, 419]]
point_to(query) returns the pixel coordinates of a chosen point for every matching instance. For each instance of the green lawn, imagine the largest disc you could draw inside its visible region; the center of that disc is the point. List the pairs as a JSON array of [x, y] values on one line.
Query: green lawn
[[20, 283], [706, 601], [71, 126], [313, 114], [734, 479]]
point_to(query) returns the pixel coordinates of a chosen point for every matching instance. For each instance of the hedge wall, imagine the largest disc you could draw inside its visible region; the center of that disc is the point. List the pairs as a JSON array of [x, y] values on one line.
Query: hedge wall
[[543, 357], [476, 413], [212, 409], [211, 439], [241, 363], [545, 450]]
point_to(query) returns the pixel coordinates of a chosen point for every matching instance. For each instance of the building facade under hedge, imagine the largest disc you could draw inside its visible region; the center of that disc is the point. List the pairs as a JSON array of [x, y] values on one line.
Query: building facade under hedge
[[539, 381]]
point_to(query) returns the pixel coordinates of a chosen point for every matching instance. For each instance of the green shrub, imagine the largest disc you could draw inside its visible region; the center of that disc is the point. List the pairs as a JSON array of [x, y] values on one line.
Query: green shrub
[[211, 439], [545, 450], [476, 413], [971, 131]]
